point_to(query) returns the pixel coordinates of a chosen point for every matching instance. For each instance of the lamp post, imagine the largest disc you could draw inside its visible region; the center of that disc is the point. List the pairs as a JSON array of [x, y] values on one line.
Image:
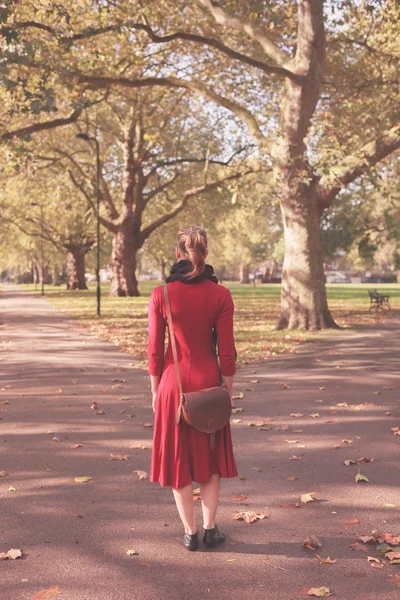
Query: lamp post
[[85, 136], [41, 242]]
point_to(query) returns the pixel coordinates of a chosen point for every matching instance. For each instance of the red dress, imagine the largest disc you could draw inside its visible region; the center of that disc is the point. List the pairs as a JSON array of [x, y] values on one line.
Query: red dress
[[181, 454]]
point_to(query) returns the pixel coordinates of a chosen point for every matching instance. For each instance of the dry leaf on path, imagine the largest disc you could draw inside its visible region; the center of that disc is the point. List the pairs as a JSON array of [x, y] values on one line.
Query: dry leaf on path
[[74, 446], [293, 477], [294, 457], [139, 447], [347, 441], [237, 498], [196, 494], [132, 553], [393, 557], [361, 477], [372, 559], [357, 546], [238, 409], [296, 415], [250, 516], [304, 498], [350, 523], [142, 474], [319, 592], [47, 594], [312, 542], [100, 412], [238, 396], [12, 554], [119, 457], [83, 479], [147, 424], [325, 561], [3, 473], [94, 406], [236, 420]]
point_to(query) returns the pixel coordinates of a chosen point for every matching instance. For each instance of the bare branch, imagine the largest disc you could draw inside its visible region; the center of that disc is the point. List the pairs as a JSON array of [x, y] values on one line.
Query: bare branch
[[356, 164], [257, 35], [193, 86], [185, 199]]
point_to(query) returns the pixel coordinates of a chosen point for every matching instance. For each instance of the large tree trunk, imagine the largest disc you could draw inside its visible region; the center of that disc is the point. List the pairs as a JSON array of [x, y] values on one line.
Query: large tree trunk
[[76, 269], [304, 303], [123, 261], [163, 264], [244, 273], [56, 275]]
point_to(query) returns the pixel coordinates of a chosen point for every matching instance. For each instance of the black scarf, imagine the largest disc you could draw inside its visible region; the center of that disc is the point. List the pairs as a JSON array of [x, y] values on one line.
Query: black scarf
[[180, 270]]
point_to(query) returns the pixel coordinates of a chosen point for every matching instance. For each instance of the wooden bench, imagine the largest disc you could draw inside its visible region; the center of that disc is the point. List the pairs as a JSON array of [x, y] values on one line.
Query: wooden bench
[[378, 300]]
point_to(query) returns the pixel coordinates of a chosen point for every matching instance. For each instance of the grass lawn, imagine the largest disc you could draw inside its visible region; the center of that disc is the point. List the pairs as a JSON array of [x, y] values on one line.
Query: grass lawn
[[124, 320]]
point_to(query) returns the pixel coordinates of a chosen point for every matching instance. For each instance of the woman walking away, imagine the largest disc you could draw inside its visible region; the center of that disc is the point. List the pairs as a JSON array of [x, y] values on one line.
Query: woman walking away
[[200, 309]]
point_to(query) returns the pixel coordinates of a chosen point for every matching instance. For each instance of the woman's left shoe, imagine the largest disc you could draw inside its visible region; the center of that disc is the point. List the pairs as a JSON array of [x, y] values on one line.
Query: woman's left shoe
[[213, 537], [191, 541]]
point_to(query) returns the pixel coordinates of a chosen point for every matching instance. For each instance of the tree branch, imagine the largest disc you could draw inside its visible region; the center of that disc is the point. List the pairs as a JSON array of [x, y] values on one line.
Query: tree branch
[[257, 35], [9, 135], [193, 86], [213, 43], [185, 199], [356, 164]]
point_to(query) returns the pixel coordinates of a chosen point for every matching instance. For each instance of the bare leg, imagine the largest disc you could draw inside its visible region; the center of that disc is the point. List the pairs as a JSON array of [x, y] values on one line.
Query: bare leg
[[184, 503], [209, 500]]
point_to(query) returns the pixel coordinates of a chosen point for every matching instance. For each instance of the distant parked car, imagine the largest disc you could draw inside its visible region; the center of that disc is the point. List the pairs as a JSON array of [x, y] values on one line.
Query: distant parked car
[[341, 280]]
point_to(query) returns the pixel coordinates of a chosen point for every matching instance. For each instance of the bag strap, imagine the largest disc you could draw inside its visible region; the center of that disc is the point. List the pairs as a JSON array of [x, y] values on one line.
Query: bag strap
[[174, 351]]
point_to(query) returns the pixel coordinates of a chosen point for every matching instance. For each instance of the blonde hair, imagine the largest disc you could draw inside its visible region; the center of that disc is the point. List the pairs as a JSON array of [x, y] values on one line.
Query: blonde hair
[[192, 243]]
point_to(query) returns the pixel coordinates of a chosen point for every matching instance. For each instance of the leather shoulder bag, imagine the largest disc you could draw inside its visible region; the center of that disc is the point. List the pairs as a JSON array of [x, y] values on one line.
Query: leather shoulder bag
[[206, 410]]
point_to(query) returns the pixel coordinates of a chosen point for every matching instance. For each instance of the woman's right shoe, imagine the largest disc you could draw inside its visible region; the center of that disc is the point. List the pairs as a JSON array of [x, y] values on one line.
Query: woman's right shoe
[[191, 541], [213, 537]]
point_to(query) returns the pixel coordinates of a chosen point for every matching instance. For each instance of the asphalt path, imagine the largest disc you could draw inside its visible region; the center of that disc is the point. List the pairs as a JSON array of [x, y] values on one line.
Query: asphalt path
[[75, 536]]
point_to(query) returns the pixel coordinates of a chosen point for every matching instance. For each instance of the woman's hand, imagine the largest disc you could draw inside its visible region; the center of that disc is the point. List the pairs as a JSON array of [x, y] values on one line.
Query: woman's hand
[[154, 401]]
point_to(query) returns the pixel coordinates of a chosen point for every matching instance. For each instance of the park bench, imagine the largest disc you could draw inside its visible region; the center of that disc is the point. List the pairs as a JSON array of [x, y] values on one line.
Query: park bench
[[378, 300]]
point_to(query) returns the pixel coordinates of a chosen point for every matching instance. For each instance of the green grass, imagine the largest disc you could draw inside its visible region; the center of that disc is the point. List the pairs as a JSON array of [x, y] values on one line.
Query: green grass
[[124, 320]]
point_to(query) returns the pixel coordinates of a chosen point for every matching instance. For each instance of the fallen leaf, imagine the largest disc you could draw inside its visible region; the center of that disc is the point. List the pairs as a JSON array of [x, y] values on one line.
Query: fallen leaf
[[349, 462], [296, 415], [132, 553], [393, 557], [14, 553], [351, 523], [285, 386], [256, 469], [294, 457], [314, 415], [118, 457], [147, 424], [319, 592], [254, 381], [3, 473], [12, 489], [74, 446], [94, 406], [237, 498], [100, 412], [325, 561], [236, 420], [331, 421], [304, 498], [357, 546], [231, 560], [139, 447], [249, 516], [292, 441], [142, 474], [312, 542], [47, 594], [238, 396], [347, 441], [83, 479], [322, 388], [293, 477], [238, 409], [361, 477], [396, 580], [124, 398], [367, 539], [55, 439], [196, 494], [373, 559]]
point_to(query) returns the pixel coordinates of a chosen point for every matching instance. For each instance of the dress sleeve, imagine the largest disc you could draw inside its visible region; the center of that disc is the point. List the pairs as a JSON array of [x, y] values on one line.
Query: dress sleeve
[[156, 337], [226, 342]]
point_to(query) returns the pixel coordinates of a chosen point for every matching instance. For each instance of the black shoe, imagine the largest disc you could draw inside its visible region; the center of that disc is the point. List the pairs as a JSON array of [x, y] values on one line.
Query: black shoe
[[213, 537], [191, 541]]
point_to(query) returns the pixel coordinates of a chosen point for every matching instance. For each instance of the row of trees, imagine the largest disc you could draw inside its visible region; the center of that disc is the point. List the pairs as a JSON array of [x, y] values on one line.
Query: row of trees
[[192, 98]]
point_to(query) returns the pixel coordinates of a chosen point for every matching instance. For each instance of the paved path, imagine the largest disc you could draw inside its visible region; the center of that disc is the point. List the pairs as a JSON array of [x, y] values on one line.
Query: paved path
[[76, 535]]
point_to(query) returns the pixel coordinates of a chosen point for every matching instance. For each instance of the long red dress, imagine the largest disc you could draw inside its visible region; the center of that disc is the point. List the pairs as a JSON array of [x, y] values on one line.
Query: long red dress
[[181, 454]]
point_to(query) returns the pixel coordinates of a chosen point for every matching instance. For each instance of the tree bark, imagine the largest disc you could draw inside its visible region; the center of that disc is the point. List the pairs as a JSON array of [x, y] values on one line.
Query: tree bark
[[76, 268], [123, 261], [56, 275], [244, 273], [304, 302]]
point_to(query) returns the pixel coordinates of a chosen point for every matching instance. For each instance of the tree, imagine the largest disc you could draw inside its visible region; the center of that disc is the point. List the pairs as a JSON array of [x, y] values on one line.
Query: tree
[[266, 63]]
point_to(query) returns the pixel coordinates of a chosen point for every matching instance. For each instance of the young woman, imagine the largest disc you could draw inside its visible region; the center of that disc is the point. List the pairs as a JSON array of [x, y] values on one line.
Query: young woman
[[181, 454]]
